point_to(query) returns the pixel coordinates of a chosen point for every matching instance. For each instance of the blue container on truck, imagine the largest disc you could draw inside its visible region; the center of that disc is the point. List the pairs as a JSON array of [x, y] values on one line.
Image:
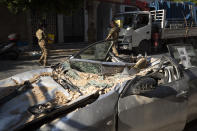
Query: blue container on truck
[[176, 11]]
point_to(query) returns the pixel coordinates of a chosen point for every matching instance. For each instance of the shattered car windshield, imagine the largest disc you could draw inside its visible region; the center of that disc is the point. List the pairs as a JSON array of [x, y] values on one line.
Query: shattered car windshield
[[125, 20], [96, 51], [184, 54]]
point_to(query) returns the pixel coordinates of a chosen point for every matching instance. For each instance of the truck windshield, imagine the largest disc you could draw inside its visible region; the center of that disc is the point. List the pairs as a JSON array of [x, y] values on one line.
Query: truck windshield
[[125, 20]]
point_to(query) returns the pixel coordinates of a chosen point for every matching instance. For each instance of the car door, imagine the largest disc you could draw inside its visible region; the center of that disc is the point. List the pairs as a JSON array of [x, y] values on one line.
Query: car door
[[163, 108], [142, 30], [186, 55]]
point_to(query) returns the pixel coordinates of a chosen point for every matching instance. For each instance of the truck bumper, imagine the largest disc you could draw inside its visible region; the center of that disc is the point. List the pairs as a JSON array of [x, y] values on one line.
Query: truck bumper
[[123, 46]]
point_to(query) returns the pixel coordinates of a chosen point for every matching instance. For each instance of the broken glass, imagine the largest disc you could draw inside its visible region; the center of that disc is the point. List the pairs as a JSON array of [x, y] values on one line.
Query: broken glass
[[86, 67], [97, 51]]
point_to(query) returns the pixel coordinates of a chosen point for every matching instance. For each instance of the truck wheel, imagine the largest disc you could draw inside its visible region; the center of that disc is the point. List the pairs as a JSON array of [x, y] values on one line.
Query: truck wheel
[[149, 44], [192, 42], [145, 46]]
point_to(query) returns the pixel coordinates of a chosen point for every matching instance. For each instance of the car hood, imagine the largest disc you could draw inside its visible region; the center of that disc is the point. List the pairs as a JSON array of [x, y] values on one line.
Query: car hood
[[33, 95], [14, 110]]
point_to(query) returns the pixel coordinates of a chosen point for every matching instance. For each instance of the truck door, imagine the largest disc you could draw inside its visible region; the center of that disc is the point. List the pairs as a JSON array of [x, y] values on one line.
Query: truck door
[[164, 108], [142, 29]]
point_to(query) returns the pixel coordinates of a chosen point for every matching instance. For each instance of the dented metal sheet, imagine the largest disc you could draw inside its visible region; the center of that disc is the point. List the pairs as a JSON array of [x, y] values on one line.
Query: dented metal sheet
[[52, 93], [46, 89], [100, 114]]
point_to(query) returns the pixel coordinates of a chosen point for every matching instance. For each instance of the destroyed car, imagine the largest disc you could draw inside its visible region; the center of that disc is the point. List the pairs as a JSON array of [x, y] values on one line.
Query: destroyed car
[[94, 90]]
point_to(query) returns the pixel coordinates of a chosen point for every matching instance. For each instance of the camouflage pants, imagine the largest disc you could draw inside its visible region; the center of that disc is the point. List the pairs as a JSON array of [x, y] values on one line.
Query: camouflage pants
[[114, 48], [44, 50]]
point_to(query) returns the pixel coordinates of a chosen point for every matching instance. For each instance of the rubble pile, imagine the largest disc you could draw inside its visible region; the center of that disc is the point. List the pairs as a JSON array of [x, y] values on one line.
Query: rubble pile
[[78, 83], [82, 83], [88, 83], [45, 97], [60, 99]]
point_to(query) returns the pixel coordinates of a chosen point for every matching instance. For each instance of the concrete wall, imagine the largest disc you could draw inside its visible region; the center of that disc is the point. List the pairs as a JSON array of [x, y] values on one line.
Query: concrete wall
[[11, 23], [104, 11]]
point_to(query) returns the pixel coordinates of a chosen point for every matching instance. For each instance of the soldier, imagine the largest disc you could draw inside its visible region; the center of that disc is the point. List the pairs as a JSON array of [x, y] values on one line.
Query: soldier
[[42, 43], [114, 34]]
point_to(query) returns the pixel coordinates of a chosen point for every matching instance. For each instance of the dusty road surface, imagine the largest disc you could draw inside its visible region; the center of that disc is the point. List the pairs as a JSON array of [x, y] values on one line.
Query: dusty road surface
[[27, 62]]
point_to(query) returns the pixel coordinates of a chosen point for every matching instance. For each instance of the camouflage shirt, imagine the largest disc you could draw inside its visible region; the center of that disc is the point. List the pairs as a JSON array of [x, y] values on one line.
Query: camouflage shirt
[[40, 34], [114, 33]]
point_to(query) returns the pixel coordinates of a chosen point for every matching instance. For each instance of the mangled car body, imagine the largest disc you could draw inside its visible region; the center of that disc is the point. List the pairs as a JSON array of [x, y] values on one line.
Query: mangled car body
[[94, 90]]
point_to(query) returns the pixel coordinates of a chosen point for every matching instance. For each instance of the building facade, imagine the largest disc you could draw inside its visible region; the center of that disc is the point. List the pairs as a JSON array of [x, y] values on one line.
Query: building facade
[[11, 23], [89, 24]]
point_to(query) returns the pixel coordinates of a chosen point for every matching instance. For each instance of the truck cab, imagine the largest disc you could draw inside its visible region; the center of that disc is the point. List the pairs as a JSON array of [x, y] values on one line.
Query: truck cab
[[142, 31], [135, 30]]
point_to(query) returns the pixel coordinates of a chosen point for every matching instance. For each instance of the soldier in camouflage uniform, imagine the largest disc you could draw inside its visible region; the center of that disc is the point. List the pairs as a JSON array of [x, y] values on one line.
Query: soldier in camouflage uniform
[[42, 43], [114, 34]]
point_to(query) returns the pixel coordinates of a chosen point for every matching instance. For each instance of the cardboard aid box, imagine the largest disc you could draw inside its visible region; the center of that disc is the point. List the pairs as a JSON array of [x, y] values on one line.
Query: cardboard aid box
[[51, 38]]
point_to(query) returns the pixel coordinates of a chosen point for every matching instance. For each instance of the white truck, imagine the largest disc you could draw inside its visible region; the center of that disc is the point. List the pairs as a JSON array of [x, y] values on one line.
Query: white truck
[[143, 31]]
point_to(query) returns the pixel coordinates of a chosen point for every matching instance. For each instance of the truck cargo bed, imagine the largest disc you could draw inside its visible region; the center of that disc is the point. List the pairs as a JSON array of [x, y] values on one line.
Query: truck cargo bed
[[168, 33], [171, 28]]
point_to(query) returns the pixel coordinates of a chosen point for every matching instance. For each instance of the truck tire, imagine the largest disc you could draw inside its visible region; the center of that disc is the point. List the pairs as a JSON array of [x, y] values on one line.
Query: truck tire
[[12, 55], [145, 46], [193, 42]]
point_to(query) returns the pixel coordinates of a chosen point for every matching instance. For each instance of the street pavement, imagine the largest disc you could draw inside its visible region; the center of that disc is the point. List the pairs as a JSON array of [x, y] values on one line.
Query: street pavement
[[27, 61]]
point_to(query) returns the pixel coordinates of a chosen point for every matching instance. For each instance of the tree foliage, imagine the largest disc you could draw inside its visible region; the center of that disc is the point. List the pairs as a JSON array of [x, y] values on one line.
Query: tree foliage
[[43, 6], [193, 1]]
